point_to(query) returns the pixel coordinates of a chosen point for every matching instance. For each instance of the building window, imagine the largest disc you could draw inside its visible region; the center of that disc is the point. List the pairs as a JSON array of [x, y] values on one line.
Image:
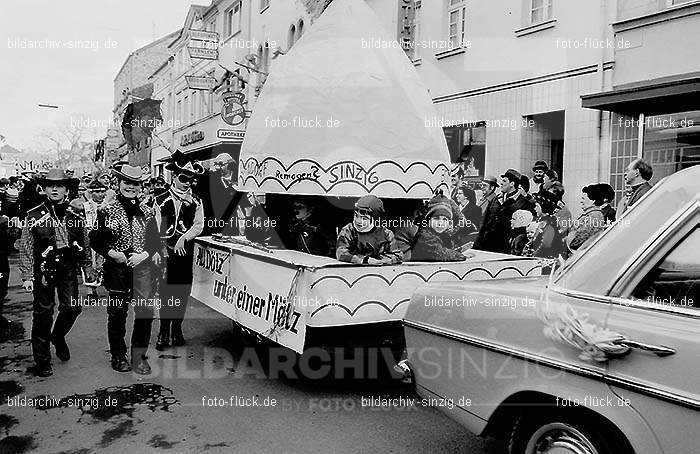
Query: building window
[[179, 112], [291, 36], [624, 149], [232, 20], [467, 147], [212, 26], [264, 4], [195, 106], [540, 11], [671, 142], [457, 18]]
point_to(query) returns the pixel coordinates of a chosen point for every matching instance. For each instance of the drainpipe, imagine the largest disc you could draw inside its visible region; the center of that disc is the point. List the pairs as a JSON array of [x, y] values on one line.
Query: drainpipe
[[601, 84]]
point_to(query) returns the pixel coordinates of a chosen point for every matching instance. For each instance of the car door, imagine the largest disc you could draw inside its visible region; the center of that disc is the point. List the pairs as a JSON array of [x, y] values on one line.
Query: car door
[[657, 305]]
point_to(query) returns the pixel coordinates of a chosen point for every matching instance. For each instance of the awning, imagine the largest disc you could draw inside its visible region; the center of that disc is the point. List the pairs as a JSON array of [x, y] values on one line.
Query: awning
[[652, 97], [345, 113]]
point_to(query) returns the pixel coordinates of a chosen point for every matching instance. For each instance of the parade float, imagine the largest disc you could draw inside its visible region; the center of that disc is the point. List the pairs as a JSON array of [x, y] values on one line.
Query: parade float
[[339, 116]]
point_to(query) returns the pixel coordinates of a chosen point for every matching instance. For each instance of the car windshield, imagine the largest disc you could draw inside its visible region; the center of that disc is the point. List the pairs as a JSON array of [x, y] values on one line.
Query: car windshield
[[595, 268]]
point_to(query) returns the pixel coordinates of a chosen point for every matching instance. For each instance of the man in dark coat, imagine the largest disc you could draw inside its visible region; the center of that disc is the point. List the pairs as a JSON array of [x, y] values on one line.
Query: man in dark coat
[[53, 248], [494, 234], [639, 172]]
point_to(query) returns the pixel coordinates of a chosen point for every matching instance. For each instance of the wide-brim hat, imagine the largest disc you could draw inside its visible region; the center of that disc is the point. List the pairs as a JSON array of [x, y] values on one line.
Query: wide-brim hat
[[190, 168], [54, 176], [129, 173]]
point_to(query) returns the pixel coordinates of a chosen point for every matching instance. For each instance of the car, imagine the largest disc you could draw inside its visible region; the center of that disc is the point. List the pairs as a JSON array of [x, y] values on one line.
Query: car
[[602, 356]]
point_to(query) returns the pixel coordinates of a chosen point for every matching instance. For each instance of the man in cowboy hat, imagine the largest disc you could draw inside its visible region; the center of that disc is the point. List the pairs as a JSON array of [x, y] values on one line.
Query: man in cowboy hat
[[53, 248], [127, 237], [180, 216]]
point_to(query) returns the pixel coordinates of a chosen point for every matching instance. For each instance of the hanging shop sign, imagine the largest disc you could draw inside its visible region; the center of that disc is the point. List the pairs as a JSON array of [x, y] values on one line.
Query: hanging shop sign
[[200, 82], [203, 44], [203, 53], [202, 35], [233, 109], [192, 137]]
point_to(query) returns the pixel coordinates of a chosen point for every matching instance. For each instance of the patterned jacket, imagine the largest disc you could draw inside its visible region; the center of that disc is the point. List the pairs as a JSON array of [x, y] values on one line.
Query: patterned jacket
[[117, 230], [356, 247]]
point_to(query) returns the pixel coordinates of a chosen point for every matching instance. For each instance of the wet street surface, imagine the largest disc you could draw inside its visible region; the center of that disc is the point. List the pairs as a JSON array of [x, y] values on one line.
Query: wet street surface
[[213, 395]]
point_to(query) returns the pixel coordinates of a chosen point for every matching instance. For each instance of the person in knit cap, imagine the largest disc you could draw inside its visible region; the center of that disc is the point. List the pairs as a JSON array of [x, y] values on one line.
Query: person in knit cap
[[364, 240], [518, 231], [434, 242]]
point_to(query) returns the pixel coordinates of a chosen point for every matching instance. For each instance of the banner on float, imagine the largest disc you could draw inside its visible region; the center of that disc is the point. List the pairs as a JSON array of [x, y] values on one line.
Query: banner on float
[[242, 288], [347, 177]]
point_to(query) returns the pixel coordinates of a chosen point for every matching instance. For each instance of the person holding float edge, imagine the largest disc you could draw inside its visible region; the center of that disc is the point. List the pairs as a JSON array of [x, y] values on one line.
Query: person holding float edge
[[180, 217], [365, 242]]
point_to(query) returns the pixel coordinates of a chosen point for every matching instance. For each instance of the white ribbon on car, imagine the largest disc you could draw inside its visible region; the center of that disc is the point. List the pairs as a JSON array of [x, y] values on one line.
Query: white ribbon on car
[[565, 325]]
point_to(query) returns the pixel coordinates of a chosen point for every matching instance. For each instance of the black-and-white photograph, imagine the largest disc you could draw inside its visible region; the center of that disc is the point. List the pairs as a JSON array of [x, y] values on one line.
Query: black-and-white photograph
[[350, 226]]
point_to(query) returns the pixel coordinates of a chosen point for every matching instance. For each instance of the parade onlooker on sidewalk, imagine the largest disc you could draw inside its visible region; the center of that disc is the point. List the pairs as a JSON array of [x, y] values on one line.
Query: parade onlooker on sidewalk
[[551, 183], [180, 217], [96, 194], [547, 240], [128, 240], [488, 195], [608, 197], [364, 241], [53, 247], [637, 178], [525, 192], [591, 222], [538, 171], [433, 242], [518, 231], [8, 235], [495, 231], [466, 200], [110, 194]]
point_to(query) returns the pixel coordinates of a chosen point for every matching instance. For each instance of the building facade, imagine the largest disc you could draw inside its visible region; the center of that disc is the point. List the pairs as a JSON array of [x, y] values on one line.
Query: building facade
[[131, 84], [513, 82], [655, 93]]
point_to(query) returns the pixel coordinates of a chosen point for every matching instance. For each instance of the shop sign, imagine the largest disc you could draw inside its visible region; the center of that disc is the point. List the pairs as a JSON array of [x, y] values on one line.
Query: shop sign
[[200, 82], [233, 109], [202, 35], [192, 137], [203, 53], [230, 134]]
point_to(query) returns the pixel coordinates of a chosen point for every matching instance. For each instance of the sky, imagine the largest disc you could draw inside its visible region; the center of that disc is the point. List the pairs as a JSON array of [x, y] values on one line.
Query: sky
[[80, 79]]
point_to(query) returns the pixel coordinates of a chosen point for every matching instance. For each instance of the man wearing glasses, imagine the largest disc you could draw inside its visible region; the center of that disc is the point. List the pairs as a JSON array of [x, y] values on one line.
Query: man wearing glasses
[[181, 220]]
